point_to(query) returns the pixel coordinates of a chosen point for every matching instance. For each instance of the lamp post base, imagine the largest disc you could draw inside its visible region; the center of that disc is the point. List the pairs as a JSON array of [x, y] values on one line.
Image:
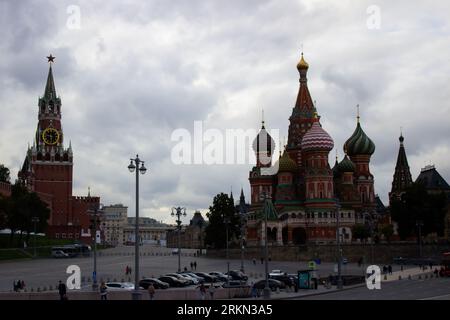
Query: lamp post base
[[136, 295], [266, 293]]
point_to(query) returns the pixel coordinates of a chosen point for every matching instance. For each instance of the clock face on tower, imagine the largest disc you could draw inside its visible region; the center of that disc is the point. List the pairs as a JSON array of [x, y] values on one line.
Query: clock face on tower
[[50, 136]]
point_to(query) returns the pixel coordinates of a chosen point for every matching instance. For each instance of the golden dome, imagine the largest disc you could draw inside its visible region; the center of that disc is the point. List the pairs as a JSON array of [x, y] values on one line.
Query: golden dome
[[302, 64]]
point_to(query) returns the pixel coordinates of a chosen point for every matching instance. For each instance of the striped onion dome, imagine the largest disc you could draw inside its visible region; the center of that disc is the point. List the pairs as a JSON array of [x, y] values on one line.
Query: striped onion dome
[[263, 141], [359, 143], [317, 139]]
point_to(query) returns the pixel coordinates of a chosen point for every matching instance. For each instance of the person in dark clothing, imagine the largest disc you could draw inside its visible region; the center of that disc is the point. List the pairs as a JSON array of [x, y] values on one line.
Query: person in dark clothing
[[195, 265], [192, 266], [62, 290], [262, 260], [390, 269]]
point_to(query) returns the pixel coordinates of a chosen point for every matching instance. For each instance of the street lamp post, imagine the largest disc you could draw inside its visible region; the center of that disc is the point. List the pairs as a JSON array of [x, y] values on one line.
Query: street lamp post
[[178, 211], [139, 165], [265, 199], [419, 224], [242, 239], [338, 233], [94, 218], [227, 222], [35, 220]]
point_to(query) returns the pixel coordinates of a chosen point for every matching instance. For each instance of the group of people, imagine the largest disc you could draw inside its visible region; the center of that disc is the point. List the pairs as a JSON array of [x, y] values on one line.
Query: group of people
[[203, 292], [262, 260], [387, 269], [194, 265], [18, 285], [127, 270]]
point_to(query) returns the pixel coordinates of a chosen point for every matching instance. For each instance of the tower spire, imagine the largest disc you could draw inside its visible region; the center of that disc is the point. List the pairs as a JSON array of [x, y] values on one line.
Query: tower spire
[[402, 175], [357, 113], [262, 119], [50, 90]]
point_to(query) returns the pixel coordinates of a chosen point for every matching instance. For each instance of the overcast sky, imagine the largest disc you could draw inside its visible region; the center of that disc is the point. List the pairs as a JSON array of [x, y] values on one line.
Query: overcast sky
[[130, 73]]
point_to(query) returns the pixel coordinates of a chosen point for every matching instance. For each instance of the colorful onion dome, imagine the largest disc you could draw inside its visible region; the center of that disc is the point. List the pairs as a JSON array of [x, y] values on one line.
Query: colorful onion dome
[[263, 141], [302, 64], [335, 168], [359, 143], [346, 165], [286, 164], [317, 138]]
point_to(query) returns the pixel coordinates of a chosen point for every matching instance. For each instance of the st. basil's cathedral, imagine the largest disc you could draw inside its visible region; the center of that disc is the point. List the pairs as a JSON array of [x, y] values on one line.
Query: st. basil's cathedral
[[306, 192]]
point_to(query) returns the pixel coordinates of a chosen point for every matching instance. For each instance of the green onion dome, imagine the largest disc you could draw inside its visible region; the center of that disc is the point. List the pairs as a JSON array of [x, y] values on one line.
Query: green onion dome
[[346, 165], [286, 164], [359, 143]]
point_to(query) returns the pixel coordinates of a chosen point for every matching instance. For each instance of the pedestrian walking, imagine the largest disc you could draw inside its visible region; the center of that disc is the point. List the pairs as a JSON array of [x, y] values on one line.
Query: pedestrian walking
[[103, 292], [254, 261], [262, 260], [195, 265], [202, 291], [192, 266], [22, 285], [401, 268], [254, 291], [151, 291], [211, 291], [390, 269], [62, 290]]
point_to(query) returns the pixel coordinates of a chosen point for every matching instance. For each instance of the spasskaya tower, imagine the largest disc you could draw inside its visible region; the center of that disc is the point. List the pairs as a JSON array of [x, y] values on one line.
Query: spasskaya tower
[[48, 169]]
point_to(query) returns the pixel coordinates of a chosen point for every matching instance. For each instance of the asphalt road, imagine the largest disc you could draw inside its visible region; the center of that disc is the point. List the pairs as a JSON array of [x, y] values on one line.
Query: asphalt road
[[46, 272], [426, 289]]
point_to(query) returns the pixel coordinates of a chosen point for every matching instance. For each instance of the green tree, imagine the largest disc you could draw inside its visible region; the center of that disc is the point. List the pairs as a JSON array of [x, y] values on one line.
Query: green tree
[[387, 230], [360, 231], [22, 207], [416, 204], [215, 232], [4, 174]]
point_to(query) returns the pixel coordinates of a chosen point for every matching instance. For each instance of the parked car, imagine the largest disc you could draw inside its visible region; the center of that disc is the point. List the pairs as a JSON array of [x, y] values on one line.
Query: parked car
[[207, 277], [173, 282], [119, 286], [193, 275], [59, 254], [276, 272], [219, 275], [189, 281], [273, 284], [237, 275], [174, 251], [190, 278], [144, 283], [285, 278], [344, 260]]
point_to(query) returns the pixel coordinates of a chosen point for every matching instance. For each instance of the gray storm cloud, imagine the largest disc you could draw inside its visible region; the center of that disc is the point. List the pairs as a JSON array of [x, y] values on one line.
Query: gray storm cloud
[[132, 73]]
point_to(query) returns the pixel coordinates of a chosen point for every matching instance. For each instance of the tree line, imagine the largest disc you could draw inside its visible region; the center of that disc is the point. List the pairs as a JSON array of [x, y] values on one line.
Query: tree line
[[18, 210]]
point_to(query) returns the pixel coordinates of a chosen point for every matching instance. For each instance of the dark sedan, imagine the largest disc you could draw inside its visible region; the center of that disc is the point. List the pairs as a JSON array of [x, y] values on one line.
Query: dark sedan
[[219, 275], [173, 282], [207, 277], [145, 283], [237, 275], [273, 284]]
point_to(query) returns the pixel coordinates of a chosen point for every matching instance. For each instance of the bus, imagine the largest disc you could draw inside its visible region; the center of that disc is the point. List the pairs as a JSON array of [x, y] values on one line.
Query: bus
[[73, 250]]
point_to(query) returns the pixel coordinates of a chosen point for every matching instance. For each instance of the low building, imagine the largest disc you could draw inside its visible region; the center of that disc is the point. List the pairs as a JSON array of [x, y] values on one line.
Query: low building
[[150, 231], [191, 236]]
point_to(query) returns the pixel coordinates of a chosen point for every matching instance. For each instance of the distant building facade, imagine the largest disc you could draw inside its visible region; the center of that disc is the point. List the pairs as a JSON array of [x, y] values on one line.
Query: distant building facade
[[114, 222], [150, 231], [191, 236]]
